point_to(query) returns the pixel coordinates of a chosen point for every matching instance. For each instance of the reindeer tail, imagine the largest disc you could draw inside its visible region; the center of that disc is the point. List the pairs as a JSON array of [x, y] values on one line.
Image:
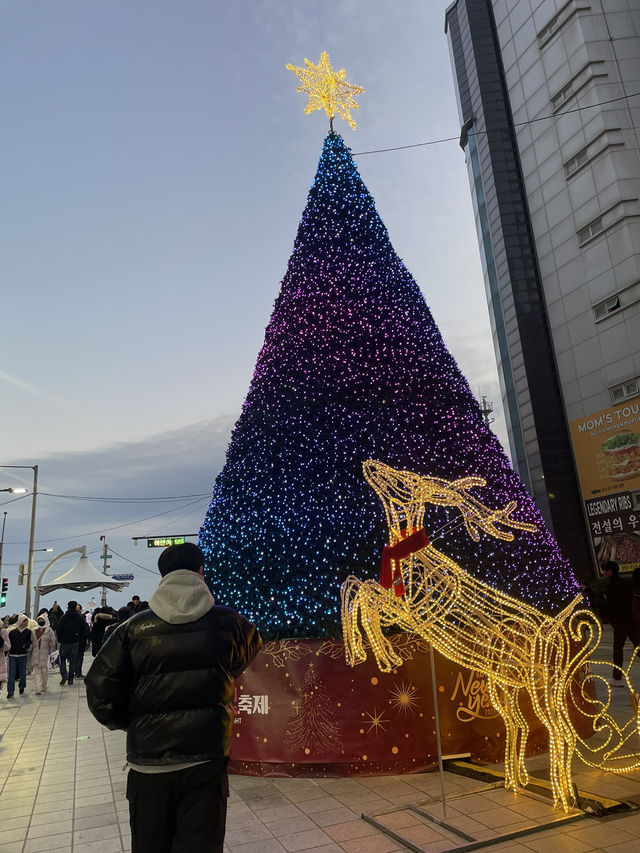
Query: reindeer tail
[[617, 749]]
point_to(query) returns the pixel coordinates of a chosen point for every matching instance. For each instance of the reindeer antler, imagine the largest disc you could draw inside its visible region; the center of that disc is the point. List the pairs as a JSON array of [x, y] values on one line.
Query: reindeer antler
[[404, 494]]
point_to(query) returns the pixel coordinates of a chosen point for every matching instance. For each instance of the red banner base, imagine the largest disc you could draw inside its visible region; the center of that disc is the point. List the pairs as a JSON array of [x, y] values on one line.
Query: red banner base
[[301, 711]]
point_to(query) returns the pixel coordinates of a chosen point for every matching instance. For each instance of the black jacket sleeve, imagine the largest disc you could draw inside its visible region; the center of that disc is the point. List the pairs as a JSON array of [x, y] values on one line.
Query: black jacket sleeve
[[248, 644], [108, 683]]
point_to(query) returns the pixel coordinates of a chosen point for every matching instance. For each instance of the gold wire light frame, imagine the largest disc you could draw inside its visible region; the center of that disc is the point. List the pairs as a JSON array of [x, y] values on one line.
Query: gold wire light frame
[[515, 646]]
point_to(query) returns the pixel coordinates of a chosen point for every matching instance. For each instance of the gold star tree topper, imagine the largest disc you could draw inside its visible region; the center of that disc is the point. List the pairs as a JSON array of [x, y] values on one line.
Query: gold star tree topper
[[327, 89]]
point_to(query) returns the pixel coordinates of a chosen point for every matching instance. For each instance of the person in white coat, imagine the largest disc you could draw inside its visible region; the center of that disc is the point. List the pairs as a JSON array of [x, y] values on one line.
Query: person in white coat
[[44, 644]]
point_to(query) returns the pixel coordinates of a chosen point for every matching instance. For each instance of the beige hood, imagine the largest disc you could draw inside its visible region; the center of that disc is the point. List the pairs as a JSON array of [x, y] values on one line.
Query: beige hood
[[182, 596]]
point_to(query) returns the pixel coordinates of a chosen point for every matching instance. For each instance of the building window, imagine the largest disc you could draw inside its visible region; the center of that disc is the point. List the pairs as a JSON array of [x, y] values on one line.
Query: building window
[[562, 96], [625, 390], [546, 32], [606, 307], [593, 70], [560, 19], [590, 230], [575, 163]]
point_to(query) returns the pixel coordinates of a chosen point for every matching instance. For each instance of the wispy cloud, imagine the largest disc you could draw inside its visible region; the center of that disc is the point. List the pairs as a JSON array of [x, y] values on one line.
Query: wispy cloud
[[25, 386]]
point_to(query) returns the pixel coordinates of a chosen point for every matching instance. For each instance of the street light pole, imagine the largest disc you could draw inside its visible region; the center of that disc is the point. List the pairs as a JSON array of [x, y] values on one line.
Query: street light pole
[[4, 521], [32, 533]]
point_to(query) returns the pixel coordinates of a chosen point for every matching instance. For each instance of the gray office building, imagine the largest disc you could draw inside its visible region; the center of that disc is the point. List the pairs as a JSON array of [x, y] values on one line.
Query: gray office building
[[549, 100]]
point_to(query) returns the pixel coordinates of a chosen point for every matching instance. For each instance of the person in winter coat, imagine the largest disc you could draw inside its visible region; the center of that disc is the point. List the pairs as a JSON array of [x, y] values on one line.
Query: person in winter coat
[[100, 621], [82, 645], [5, 645], [44, 644], [55, 615], [21, 641], [124, 613], [71, 629], [166, 676], [618, 597]]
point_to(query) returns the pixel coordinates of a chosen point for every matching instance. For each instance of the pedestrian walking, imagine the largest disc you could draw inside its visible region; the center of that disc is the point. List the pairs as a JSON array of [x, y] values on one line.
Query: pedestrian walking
[[21, 641], [71, 628], [618, 609], [82, 644], [166, 676], [101, 619], [5, 645], [124, 613], [44, 644]]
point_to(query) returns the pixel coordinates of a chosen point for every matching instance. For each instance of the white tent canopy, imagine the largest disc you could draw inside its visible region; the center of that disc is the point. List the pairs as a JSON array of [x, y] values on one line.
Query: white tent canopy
[[81, 577]]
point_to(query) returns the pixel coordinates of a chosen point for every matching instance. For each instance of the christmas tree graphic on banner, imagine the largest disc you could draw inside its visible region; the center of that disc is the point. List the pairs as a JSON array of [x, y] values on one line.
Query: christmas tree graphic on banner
[[312, 727], [353, 367]]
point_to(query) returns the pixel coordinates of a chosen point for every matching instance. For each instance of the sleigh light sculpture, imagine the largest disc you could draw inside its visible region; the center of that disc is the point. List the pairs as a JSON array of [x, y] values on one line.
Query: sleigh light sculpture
[[518, 649]]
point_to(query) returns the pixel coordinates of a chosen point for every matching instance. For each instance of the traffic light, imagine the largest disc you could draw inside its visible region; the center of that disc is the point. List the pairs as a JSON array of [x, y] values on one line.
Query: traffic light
[[3, 594]]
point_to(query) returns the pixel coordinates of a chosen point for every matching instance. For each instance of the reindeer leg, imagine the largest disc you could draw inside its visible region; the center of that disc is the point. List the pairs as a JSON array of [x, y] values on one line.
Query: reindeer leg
[[352, 592], [505, 700], [547, 691], [377, 601]]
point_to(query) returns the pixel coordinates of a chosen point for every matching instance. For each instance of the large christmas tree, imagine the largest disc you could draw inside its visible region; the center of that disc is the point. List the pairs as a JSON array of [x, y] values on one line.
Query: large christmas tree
[[353, 367]]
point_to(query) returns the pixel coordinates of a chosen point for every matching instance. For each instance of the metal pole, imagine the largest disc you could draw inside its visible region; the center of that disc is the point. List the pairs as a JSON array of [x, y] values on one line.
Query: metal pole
[[27, 597], [437, 717], [4, 521], [105, 557]]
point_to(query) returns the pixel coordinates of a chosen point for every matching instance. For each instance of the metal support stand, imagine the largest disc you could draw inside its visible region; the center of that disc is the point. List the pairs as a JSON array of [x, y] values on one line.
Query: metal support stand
[[436, 714]]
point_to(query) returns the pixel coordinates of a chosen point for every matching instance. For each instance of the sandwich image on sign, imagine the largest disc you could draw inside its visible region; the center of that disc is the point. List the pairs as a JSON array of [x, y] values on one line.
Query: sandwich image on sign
[[622, 455]]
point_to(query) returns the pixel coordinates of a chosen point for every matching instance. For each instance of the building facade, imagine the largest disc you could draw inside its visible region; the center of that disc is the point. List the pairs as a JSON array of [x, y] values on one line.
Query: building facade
[[549, 100]]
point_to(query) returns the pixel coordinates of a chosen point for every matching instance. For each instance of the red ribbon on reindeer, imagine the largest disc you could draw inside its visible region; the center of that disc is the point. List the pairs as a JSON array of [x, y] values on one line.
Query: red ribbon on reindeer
[[390, 574]]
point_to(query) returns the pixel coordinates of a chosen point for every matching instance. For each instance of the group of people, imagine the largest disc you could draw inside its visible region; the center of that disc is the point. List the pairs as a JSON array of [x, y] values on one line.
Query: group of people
[[164, 671], [28, 644]]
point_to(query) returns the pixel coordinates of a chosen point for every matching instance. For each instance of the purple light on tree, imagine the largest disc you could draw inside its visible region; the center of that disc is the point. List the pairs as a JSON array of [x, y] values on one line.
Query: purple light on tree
[[353, 367]]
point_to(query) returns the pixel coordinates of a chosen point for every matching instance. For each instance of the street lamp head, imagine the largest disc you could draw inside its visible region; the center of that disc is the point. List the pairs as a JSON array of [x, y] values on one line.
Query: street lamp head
[[16, 491]]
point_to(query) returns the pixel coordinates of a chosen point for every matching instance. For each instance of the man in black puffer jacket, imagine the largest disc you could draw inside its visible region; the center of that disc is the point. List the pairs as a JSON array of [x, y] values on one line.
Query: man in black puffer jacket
[[166, 676], [71, 630]]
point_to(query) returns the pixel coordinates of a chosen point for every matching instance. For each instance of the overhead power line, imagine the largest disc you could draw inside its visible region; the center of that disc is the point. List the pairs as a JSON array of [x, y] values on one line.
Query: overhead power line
[[125, 499], [515, 124], [115, 527], [127, 560]]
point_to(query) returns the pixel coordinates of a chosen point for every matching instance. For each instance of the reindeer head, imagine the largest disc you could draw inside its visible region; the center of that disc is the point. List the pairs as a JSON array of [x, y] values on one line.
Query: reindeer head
[[401, 493], [405, 494]]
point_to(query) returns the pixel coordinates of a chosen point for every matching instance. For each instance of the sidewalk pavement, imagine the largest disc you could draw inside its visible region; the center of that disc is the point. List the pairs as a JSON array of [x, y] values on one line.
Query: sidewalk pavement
[[62, 788]]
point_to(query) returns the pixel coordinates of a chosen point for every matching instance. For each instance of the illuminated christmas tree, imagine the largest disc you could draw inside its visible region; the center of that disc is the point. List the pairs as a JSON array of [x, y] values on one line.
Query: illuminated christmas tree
[[353, 367]]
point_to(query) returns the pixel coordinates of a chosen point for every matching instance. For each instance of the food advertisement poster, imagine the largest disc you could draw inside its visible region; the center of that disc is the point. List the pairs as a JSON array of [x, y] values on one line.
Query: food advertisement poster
[[607, 450]]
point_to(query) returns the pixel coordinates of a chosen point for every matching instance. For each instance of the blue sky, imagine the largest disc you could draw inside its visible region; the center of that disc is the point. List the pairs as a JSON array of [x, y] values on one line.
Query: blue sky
[[156, 161]]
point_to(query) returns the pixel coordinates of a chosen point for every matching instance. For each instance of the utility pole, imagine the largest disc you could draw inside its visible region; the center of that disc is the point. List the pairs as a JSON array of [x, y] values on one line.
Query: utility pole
[[105, 556], [2, 586], [4, 521]]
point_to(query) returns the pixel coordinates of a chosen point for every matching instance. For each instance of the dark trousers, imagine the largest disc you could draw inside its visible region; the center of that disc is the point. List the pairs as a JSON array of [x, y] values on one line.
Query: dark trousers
[[620, 633], [184, 811], [17, 669], [68, 652], [79, 661]]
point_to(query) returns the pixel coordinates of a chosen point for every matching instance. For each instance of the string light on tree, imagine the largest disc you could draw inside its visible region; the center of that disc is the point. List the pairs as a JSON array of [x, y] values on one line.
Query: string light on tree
[[352, 367]]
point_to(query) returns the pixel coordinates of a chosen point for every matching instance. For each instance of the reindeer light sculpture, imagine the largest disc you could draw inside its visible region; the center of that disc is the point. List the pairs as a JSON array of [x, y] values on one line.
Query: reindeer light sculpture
[[515, 646]]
